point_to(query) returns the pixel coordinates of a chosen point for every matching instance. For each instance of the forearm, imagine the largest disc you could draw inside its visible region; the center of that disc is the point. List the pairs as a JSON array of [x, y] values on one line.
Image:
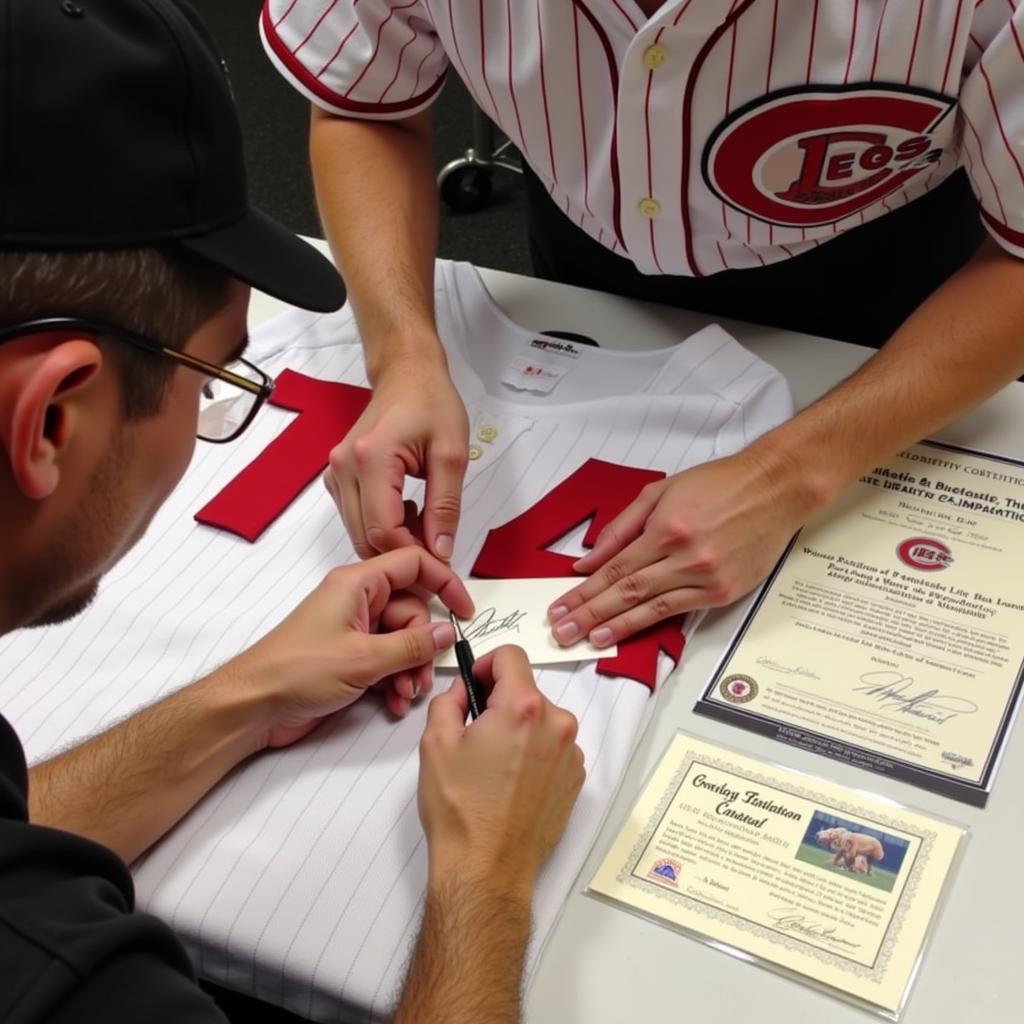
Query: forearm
[[960, 346], [128, 786], [378, 201], [468, 962]]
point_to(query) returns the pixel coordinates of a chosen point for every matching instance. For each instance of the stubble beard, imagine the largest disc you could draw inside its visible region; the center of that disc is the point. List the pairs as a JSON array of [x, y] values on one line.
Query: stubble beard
[[80, 551]]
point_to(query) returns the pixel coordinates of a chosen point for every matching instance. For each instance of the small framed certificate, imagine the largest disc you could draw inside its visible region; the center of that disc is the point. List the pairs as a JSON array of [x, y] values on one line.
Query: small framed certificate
[[829, 885], [891, 633]]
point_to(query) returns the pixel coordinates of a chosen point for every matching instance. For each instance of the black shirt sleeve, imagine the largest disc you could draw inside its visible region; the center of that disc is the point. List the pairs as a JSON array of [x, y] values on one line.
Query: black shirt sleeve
[[71, 948]]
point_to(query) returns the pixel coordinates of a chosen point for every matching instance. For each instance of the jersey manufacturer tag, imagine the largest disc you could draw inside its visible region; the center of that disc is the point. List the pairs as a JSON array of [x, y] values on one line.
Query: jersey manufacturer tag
[[556, 347], [530, 375]]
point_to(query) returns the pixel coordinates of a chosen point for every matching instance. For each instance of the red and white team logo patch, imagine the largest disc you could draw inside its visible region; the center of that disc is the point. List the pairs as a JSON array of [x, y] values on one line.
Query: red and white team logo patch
[[811, 156], [925, 554]]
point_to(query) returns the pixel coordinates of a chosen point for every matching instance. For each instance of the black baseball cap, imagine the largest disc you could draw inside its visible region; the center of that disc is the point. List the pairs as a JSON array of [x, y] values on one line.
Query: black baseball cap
[[118, 129]]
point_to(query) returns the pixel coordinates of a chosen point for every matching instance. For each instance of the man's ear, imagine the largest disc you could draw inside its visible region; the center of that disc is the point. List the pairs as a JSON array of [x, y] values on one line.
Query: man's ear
[[47, 412]]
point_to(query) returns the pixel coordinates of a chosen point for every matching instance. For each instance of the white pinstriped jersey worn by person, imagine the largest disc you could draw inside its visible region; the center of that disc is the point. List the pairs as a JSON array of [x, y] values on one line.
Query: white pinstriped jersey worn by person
[[823, 166]]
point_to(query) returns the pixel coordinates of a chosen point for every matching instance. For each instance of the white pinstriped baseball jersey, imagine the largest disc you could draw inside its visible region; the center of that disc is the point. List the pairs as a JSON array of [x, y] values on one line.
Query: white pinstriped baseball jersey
[[299, 878], [715, 134]]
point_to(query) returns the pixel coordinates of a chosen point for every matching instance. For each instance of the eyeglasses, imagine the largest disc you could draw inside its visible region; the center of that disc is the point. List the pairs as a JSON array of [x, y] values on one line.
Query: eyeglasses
[[230, 398]]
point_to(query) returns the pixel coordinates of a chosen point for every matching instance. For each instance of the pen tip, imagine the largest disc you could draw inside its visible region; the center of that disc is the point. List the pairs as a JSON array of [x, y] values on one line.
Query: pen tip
[[456, 626]]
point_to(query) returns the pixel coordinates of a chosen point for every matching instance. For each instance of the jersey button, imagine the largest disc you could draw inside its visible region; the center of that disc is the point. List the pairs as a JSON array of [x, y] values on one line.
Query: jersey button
[[487, 433], [655, 56], [475, 451], [649, 207]]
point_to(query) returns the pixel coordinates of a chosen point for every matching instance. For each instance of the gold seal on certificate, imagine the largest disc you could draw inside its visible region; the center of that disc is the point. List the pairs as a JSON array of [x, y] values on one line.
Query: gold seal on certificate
[[809, 877], [891, 633]]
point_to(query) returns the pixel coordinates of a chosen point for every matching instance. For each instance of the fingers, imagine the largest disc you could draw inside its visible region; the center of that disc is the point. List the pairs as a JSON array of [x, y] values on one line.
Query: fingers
[[394, 699], [412, 567], [442, 502], [506, 673], [414, 521], [346, 497], [622, 530], [629, 572], [400, 690], [380, 479], [637, 600], [664, 606], [514, 692], [386, 654], [614, 555]]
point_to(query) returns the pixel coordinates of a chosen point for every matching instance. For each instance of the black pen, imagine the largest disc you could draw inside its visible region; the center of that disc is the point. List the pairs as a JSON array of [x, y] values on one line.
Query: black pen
[[464, 656]]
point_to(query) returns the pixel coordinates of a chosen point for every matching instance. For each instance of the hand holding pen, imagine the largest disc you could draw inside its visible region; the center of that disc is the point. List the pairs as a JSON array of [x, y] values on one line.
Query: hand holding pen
[[495, 795]]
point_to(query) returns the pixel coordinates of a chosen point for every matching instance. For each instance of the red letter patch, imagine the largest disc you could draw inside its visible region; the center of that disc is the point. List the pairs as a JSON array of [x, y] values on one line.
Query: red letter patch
[[519, 549], [286, 467]]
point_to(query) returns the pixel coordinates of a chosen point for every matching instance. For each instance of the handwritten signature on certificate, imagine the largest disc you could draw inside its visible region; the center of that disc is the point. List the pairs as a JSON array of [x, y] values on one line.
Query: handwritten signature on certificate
[[896, 693]]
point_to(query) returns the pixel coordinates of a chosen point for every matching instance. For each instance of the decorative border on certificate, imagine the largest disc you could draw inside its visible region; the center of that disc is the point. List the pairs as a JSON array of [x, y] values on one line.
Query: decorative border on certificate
[[880, 962], [825, 884], [736, 691]]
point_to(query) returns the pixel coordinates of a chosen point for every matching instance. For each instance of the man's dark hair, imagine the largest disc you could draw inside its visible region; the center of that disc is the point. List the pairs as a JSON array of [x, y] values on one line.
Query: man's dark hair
[[163, 293]]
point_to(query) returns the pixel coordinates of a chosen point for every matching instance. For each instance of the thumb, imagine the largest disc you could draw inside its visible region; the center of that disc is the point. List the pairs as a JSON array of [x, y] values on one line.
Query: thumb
[[388, 653], [442, 501]]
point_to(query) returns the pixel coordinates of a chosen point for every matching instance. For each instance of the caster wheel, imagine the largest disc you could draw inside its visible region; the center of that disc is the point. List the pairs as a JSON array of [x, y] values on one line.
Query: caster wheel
[[466, 189]]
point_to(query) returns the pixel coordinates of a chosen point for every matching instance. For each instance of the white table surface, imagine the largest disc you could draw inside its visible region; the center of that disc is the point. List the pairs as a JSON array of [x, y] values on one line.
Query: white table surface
[[605, 966]]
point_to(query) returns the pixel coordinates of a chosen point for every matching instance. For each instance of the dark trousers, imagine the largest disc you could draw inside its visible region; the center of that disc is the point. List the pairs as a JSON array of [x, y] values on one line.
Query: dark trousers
[[858, 287]]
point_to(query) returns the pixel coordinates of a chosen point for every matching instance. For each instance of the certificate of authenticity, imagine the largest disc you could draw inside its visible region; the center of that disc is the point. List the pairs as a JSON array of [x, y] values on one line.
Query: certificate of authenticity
[[819, 881], [891, 633]]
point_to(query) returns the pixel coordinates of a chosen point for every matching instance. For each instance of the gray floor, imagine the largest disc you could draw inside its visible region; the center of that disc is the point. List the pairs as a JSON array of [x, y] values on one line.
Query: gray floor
[[274, 120]]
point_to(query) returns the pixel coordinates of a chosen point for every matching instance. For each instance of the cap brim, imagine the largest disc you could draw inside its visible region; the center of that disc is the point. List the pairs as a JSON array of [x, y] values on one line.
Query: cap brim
[[273, 259]]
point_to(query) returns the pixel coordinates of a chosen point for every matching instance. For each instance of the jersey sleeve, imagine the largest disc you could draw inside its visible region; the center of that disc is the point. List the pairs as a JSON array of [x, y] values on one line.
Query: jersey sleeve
[[374, 59], [992, 145]]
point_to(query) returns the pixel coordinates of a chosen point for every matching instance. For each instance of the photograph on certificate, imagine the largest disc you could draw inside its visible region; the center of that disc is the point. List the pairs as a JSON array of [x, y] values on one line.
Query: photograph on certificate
[[829, 884], [891, 633], [872, 856]]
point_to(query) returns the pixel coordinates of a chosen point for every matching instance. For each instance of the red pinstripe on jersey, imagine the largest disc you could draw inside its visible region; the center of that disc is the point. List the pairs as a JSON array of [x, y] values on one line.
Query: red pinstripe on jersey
[[337, 53], [544, 93], [999, 122], [952, 45], [917, 36], [289, 62], [288, 10], [878, 39], [512, 84], [1015, 33], [626, 15], [613, 74], [419, 67], [702, 56], [569, 84], [771, 46], [988, 172], [583, 116], [483, 56], [458, 55], [853, 39], [810, 47]]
